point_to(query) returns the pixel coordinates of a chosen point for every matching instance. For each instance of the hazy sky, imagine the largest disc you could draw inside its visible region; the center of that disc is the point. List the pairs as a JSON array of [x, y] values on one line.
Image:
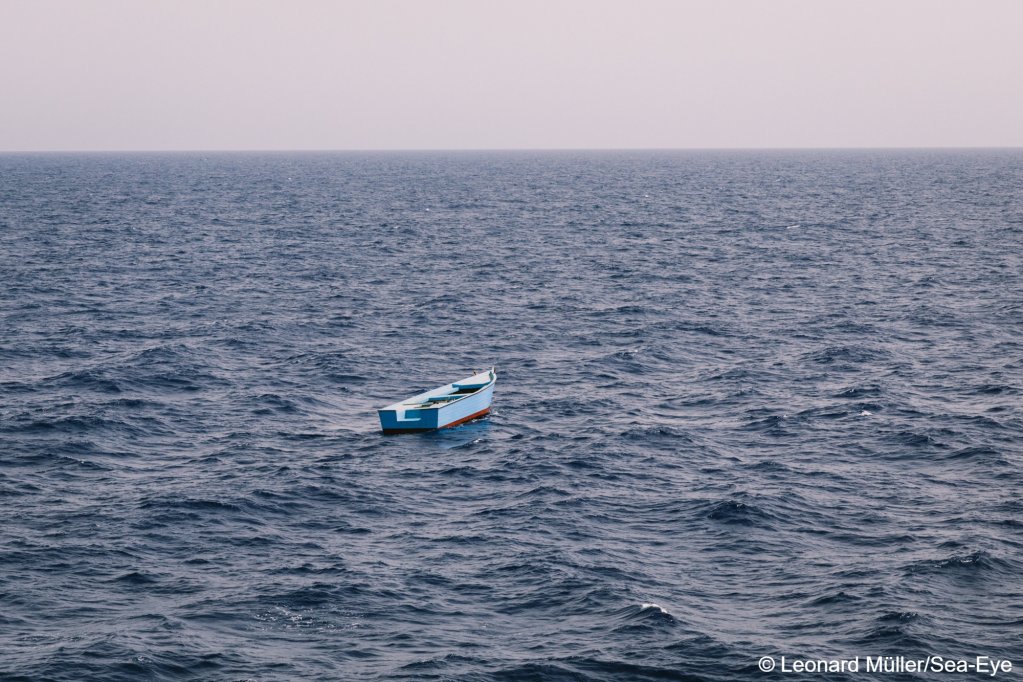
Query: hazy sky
[[463, 74]]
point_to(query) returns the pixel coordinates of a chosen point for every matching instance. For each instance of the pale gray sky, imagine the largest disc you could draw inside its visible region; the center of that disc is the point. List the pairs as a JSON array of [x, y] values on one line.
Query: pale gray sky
[[470, 74]]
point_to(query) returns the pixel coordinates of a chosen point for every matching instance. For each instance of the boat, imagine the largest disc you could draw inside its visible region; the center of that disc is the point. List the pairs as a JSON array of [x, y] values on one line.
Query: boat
[[443, 407]]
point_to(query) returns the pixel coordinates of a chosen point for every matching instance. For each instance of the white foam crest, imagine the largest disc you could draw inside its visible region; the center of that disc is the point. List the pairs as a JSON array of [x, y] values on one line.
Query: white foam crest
[[650, 605]]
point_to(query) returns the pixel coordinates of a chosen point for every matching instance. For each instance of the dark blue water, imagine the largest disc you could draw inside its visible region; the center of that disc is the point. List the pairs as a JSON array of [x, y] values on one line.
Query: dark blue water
[[750, 404]]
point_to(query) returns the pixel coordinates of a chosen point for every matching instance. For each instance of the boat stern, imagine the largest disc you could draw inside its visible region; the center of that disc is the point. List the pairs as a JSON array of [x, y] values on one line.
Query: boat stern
[[399, 420]]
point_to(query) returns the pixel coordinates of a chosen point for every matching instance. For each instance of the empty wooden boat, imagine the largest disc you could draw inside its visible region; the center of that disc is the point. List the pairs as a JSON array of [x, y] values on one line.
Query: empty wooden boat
[[443, 407]]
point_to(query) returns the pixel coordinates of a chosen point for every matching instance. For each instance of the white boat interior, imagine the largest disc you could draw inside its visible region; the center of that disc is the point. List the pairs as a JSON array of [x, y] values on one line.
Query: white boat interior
[[446, 395]]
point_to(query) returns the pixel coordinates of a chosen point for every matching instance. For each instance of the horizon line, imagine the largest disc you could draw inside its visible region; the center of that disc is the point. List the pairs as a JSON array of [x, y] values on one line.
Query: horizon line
[[366, 150]]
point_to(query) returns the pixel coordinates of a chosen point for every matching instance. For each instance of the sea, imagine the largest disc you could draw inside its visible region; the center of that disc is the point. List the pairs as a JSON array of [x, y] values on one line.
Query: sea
[[754, 410]]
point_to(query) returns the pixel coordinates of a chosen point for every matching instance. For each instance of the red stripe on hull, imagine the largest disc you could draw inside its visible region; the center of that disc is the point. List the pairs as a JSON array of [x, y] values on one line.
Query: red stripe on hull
[[482, 412]]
